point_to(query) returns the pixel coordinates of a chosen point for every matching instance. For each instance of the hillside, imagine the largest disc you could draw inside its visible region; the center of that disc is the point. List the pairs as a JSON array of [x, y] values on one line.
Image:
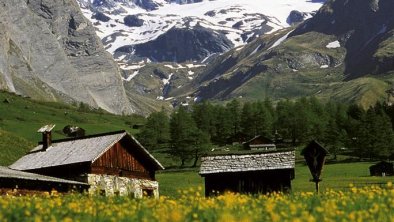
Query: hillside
[[21, 117], [314, 59]]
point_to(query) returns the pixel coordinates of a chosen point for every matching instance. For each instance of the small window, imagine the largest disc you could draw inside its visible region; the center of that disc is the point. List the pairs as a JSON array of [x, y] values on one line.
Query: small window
[[102, 192], [147, 192]]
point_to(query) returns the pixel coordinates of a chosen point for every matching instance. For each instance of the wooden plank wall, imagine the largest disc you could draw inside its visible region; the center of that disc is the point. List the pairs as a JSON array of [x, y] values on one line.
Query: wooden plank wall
[[120, 161]]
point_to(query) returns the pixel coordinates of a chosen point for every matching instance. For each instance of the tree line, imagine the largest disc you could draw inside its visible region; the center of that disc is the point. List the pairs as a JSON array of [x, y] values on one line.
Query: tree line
[[190, 131]]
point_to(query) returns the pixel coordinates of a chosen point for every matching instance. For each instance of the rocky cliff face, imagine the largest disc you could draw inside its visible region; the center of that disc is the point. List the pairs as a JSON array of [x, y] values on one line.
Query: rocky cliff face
[[49, 51], [181, 45]]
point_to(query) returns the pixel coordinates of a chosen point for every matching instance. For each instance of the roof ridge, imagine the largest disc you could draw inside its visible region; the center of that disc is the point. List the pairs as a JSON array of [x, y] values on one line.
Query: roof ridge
[[86, 137]]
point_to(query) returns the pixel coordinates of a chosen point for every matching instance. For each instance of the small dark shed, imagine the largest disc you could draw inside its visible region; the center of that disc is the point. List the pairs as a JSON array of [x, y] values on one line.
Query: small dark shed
[[382, 168], [252, 172], [25, 182], [260, 143]]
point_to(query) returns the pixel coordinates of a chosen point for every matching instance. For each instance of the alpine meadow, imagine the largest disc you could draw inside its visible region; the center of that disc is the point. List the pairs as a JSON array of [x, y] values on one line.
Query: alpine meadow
[[196, 110]]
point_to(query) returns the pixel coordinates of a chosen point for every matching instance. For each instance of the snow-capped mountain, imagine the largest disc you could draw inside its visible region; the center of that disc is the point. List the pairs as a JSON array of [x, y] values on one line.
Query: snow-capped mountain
[[132, 30]]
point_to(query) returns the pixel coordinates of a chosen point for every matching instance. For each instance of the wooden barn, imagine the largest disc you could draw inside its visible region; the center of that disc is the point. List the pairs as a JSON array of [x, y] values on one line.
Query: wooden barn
[[382, 168], [260, 143], [253, 172], [113, 163], [23, 182]]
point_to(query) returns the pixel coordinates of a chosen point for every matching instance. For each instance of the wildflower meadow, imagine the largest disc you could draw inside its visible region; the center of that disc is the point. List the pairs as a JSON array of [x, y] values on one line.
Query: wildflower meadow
[[356, 204]]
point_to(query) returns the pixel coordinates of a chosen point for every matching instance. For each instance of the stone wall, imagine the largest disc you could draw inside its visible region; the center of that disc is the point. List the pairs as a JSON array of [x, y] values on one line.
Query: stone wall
[[247, 162], [124, 186]]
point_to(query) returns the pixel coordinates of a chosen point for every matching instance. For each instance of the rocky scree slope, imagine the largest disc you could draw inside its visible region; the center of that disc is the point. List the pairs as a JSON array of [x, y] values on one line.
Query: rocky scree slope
[[49, 51]]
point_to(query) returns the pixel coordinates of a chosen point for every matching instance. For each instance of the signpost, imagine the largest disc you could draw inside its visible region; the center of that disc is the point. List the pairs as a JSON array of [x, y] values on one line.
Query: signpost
[[315, 156]]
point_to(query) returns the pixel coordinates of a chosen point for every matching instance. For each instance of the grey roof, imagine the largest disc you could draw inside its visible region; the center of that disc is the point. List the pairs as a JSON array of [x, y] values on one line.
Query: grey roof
[[247, 162], [80, 150], [263, 145], [6, 172]]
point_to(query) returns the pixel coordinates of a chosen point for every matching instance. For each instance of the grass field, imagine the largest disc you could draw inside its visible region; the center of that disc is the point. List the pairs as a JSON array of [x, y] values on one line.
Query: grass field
[[335, 176]]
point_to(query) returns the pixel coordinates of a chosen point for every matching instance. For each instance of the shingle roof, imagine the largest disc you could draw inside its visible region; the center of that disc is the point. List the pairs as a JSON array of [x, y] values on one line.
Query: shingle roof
[[247, 162], [71, 151], [6, 172]]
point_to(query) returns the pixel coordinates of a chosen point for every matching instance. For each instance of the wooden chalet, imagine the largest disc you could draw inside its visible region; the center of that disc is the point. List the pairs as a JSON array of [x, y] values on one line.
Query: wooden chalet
[[111, 163], [16, 181], [382, 168], [260, 143], [252, 172]]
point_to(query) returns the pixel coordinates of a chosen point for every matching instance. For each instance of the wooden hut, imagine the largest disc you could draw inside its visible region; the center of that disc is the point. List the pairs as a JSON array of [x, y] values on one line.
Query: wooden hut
[[111, 163], [382, 168], [251, 172], [260, 143], [23, 182]]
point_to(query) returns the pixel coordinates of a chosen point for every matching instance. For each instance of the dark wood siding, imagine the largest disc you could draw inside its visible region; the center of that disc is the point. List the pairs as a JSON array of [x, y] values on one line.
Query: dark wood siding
[[70, 171], [249, 182], [25, 186], [122, 162]]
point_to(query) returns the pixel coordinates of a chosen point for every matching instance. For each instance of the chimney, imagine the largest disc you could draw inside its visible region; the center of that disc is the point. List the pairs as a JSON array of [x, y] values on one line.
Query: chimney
[[46, 136]]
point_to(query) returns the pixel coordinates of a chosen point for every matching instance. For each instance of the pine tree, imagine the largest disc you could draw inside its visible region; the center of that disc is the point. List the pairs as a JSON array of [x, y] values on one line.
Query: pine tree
[[374, 135], [248, 124], [234, 111], [334, 137], [284, 119], [263, 120], [204, 117], [224, 125], [187, 141], [156, 131]]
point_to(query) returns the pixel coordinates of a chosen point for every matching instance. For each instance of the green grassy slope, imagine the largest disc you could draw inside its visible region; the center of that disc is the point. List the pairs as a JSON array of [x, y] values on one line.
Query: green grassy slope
[[12, 147], [300, 66], [21, 117]]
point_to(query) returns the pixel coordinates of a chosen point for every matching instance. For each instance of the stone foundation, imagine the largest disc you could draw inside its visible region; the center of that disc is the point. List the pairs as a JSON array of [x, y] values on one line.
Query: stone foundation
[[110, 185]]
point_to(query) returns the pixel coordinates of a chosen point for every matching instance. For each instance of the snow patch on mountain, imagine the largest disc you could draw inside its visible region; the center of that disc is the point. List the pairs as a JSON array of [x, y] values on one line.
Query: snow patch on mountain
[[280, 40], [333, 45], [239, 20], [130, 77]]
